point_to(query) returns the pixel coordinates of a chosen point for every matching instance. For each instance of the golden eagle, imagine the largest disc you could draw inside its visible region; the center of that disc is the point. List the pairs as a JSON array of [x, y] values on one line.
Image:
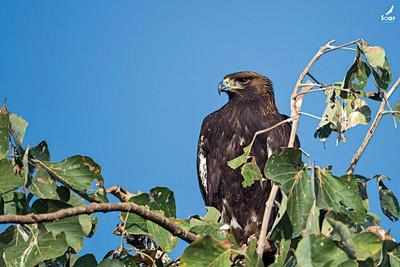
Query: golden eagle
[[224, 134]]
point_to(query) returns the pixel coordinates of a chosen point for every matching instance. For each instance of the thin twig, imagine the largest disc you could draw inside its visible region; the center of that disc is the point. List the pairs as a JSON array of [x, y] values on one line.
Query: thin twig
[[321, 89], [264, 227], [268, 129], [166, 223], [372, 129], [310, 115]]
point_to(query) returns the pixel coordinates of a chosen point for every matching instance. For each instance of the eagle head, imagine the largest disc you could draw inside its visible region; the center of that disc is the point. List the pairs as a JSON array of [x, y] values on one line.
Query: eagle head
[[245, 83]]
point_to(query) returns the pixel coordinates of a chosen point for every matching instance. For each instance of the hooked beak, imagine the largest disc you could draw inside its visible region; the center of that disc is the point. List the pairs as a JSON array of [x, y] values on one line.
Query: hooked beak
[[222, 87]]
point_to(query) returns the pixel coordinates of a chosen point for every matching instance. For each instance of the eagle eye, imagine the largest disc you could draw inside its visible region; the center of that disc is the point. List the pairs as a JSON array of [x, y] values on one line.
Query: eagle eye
[[244, 80]]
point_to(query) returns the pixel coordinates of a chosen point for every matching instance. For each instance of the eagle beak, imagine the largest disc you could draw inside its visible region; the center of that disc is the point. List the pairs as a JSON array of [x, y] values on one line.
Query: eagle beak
[[222, 87]]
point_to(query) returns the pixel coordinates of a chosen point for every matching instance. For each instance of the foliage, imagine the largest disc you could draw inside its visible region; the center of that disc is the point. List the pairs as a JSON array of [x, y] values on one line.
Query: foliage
[[323, 218]]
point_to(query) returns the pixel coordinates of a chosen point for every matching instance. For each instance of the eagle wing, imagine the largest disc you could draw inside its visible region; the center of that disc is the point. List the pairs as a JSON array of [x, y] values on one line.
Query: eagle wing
[[208, 182]]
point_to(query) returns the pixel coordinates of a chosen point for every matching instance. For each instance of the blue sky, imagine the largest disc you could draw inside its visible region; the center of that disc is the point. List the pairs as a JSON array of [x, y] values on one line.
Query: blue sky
[[128, 82]]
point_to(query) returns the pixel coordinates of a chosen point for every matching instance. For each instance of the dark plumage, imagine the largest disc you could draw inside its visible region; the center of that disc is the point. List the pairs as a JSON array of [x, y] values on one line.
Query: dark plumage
[[224, 133]]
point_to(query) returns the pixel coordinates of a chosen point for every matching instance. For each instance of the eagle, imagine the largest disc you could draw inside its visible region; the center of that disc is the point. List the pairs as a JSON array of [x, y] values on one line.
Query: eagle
[[224, 133]]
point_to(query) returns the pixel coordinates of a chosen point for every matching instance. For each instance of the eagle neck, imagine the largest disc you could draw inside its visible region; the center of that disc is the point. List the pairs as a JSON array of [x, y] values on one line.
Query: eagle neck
[[265, 102]]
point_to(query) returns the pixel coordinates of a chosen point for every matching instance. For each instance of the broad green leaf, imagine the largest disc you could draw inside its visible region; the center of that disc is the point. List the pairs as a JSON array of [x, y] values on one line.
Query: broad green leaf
[[79, 172], [378, 61], [356, 112], [286, 169], [240, 160], [312, 225], [40, 152], [339, 195], [111, 263], [388, 201], [319, 251], [207, 225], [284, 246], [349, 263], [251, 257], [4, 128], [375, 55], [206, 252], [15, 203], [394, 258], [300, 202], [160, 199], [43, 186], [213, 215], [75, 228], [331, 119], [9, 181], [250, 173], [357, 75], [88, 260], [17, 127], [366, 245], [29, 250]]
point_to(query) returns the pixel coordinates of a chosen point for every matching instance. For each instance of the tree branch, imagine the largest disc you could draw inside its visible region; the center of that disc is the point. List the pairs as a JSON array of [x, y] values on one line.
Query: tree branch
[[372, 128], [296, 103], [167, 223]]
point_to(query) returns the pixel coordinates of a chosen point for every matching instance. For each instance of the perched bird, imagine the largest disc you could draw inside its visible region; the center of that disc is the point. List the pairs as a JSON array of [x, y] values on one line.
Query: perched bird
[[224, 134]]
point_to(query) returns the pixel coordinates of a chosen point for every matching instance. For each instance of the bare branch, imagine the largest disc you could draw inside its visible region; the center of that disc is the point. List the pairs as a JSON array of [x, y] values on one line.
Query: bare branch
[[296, 103], [372, 128], [268, 129], [166, 223]]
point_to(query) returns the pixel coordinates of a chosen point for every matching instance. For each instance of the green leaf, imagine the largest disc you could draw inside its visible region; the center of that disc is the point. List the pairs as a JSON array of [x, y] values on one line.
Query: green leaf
[[357, 75], [389, 203], [15, 203], [43, 186], [284, 246], [394, 258], [349, 263], [28, 250], [240, 160], [8, 179], [206, 252], [339, 195], [4, 128], [111, 263], [366, 245], [357, 112], [77, 171], [378, 61], [251, 257], [88, 260], [319, 251], [312, 226], [207, 225], [250, 173], [40, 152], [283, 167], [286, 169], [331, 119], [17, 127], [75, 228], [160, 199]]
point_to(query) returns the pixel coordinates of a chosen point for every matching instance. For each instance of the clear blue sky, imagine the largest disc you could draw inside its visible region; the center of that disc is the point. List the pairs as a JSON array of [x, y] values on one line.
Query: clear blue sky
[[128, 82]]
